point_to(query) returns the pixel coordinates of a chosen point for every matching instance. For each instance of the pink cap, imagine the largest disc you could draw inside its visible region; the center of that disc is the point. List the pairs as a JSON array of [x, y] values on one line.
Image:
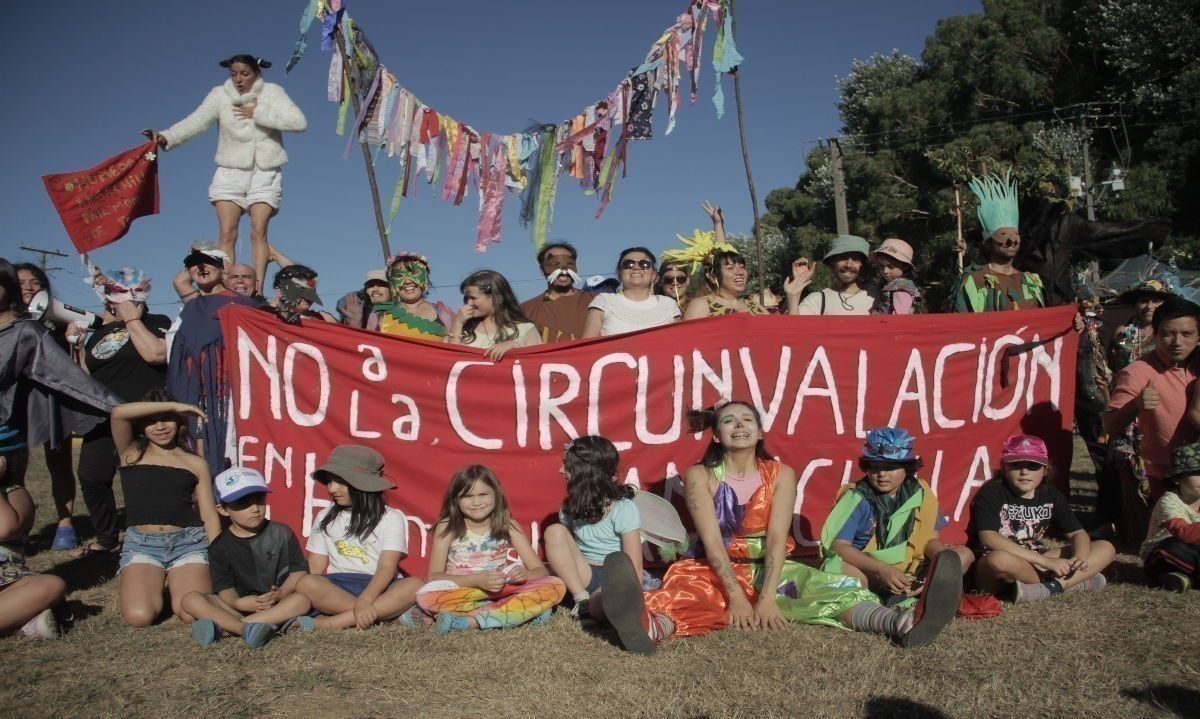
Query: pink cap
[[1024, 447], [897, 250]]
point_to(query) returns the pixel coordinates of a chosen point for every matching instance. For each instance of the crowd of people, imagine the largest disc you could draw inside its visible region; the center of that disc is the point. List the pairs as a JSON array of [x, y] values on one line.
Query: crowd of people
[[148, 396]]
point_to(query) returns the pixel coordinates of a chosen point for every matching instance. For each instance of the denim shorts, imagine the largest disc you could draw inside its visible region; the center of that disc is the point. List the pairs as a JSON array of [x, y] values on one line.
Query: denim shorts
[[165, 550], [596, 580]]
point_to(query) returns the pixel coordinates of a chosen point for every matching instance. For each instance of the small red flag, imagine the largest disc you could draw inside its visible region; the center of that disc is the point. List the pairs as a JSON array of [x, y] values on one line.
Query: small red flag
[[97, 205]]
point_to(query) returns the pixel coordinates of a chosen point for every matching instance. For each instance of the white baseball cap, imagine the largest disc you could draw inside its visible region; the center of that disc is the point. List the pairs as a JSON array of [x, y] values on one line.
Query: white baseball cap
[[237, 482]]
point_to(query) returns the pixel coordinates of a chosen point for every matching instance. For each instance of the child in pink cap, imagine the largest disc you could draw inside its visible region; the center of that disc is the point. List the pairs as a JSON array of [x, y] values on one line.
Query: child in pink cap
[[1010, 518], [899, 294]]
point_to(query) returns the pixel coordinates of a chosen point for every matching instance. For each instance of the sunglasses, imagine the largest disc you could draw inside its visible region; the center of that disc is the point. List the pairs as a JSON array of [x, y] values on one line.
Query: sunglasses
[[641, 264], [1024, 464], [674, 279]]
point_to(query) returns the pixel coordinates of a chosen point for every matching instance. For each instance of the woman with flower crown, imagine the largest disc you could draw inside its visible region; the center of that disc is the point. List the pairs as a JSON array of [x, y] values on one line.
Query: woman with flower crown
[[724, 269]]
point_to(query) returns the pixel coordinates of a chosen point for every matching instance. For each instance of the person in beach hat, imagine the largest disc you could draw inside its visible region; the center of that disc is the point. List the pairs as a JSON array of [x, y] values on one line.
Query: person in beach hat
[[1171, 552], [848, 293], [899, 295]]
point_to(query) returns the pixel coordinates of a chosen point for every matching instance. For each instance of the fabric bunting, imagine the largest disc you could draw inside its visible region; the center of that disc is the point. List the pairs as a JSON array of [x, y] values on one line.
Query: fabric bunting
[[590, 146]]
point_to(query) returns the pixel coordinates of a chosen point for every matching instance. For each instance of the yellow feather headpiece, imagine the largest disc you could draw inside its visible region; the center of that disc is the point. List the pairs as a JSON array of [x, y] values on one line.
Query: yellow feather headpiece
[[697, 250]]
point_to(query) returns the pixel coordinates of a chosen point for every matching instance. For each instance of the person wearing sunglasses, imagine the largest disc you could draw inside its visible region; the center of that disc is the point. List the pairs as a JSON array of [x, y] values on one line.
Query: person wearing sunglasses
[[560, 312], [996, 284], [635, 306], [673, 282]]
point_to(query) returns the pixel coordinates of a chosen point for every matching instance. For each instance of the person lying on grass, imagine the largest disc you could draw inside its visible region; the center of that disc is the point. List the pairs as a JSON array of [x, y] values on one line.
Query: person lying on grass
[[883, 529], [1171, 552], [169, 508], [255, 565], [355, 546], [483, 571], [737, 575], [1010, 517]]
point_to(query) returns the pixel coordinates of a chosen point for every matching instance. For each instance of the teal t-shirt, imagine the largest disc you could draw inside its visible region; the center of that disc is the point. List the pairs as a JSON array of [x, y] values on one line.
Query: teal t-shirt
[[597, 541]]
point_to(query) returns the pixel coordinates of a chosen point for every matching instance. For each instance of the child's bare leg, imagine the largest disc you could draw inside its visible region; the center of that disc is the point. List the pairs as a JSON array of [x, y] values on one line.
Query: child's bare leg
[[209, 606], [184, 579], [17, 512], [28, 597], [398, 598], [1100, 557], [565, 559], [997, 569], [327, 598], [850, 570], [293, 605], [965, 556]]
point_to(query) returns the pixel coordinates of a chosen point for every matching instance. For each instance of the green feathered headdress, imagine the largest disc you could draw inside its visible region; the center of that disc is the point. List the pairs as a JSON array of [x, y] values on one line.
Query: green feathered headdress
[[997, 202]]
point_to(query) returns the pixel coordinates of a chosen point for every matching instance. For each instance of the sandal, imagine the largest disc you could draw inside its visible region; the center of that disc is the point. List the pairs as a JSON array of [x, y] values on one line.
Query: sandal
[[94, 548]]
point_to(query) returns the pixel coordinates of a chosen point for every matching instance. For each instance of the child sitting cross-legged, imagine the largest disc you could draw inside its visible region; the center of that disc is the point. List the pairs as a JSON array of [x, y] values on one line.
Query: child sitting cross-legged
[[483, 571], [255, 565], [883, 530], [1171, 552], [1010, 517]]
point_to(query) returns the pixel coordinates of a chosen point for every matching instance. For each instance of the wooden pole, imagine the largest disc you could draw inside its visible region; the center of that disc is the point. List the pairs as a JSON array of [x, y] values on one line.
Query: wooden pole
[[839, 188], [357, 103], [737, 98], [958, 218]]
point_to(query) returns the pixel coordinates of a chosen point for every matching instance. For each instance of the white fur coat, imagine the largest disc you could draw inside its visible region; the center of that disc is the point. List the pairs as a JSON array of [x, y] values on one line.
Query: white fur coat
[[243, 144]]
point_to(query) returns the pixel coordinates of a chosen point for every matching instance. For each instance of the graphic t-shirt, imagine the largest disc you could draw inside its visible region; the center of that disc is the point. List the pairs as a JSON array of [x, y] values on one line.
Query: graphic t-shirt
[[252, 565], [998, 508], [597, 541], [348, 553], [114, 361], [473, 553]]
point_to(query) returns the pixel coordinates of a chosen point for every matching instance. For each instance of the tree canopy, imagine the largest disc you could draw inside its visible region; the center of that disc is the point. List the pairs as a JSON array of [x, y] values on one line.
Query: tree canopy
[[1023, 85]]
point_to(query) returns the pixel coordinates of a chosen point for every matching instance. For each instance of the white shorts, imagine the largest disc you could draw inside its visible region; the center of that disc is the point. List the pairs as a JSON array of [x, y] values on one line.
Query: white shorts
[[246, 187]]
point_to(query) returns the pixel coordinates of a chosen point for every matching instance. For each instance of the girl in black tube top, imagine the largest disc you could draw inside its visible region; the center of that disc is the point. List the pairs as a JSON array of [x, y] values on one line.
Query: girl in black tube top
[[169, 507]]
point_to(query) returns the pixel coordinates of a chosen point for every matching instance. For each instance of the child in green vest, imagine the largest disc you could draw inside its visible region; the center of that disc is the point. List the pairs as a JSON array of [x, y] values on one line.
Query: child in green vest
[[883, 530]]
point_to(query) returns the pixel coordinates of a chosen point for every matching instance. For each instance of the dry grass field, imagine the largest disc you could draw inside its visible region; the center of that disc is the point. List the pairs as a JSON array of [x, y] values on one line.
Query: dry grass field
[[1129, 651]]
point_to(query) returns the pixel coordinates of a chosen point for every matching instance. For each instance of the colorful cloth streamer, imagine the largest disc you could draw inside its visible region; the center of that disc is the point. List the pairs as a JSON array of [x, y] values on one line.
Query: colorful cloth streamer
[[512, 606], [453, 156]]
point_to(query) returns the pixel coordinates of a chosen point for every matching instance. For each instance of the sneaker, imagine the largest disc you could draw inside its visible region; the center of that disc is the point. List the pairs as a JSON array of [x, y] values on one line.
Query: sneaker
[[938, 601], [257, 634], [1175, 582], [447, 622], [205, 632], [65, 538], [414, 617], [623, 603], [658, 626], [1093, 584], [43, 626], [580, 611]]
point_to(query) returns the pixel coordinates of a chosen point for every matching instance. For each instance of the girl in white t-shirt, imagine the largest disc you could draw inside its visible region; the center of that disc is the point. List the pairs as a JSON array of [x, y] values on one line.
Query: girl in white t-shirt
[[635, 307], [355, 546], [491, 318]]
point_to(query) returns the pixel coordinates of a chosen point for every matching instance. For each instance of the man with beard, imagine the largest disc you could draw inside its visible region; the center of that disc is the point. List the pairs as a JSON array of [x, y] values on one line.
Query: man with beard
[[996, 284], [847, 294], [561, 311]]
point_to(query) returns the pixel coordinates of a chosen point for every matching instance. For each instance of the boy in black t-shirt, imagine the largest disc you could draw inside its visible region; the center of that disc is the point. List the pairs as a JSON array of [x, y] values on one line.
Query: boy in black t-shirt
[[1010, 516], [255, 566]]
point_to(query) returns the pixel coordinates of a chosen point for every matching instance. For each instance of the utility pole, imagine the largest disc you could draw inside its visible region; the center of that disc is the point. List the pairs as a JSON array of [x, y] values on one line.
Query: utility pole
[[44, 254], [1088, 189], [839, 188]]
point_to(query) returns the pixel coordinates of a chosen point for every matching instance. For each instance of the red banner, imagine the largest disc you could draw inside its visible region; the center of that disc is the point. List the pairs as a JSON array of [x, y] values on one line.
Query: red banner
[[960, 383], [97, 205]]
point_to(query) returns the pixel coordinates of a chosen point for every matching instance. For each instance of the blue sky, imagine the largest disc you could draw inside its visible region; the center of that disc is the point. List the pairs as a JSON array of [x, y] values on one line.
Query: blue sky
[[86, 77]]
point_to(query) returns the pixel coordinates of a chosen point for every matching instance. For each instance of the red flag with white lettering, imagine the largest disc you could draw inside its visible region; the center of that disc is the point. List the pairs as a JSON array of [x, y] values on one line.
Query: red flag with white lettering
[[97, 205]]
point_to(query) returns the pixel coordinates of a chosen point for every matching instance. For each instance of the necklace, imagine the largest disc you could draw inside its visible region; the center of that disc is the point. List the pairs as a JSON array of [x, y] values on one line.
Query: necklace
[[845, 298]]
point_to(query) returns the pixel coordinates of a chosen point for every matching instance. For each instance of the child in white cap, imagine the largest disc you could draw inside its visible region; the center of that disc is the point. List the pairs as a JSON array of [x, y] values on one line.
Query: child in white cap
[[255, 565]]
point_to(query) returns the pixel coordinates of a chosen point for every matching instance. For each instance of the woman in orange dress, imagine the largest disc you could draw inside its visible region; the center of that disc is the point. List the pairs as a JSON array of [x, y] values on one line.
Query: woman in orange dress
[[741, 502]]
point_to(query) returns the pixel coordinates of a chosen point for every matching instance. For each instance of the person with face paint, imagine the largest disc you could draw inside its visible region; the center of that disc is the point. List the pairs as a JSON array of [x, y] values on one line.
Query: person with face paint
[[128, 354], [560, 312], [252, 115], [997, 284], [408, 313]]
